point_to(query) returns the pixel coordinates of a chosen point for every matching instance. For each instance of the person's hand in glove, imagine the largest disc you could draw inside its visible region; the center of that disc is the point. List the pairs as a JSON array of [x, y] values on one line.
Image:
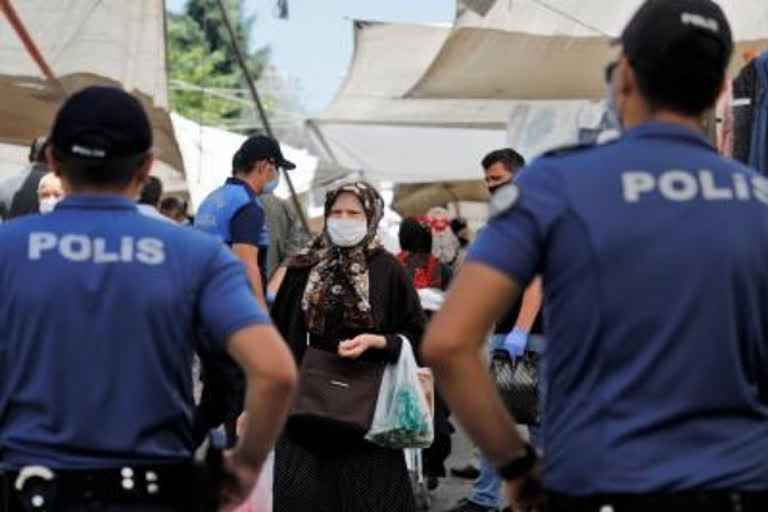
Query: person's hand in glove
[[516, 342]]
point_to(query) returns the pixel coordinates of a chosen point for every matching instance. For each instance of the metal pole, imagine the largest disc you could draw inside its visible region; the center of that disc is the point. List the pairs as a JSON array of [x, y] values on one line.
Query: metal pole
[[259, 107]]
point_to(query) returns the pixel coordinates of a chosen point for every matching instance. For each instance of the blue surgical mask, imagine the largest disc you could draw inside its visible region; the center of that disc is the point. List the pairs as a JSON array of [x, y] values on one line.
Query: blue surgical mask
[[270, 187]]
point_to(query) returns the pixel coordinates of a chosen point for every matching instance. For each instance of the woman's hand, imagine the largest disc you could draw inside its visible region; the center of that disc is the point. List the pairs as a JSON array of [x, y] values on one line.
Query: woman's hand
[[355, 347]]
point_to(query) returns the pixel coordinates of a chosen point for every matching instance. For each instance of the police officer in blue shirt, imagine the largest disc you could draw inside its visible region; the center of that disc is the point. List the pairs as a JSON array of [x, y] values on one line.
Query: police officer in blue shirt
[[97, 316], [234, 214], [653, 253]]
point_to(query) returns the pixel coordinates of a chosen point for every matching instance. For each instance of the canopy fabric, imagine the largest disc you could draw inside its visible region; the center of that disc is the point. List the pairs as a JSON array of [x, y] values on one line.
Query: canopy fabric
[[208, 152], [370, 128], [407, 154], [553, 49], [83, 42], [417, 199], [386, 137]]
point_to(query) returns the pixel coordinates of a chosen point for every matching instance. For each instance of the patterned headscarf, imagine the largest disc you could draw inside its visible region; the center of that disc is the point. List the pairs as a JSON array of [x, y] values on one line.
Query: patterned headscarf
[[341, 271]]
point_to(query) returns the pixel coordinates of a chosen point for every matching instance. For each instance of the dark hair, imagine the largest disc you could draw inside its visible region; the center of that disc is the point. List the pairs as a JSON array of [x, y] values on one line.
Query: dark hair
[[458, 224], [173, 204], [511, 159], [116, 173], [151, 191], [689, 79], [415, 236]]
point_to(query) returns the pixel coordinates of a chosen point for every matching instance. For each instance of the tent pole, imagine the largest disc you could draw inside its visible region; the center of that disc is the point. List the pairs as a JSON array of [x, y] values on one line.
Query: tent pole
[[29, 44], [260, 107]]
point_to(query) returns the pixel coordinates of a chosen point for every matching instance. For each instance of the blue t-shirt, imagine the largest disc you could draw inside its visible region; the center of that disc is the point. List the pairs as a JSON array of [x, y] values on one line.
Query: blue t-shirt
[[233, 213], [653, 252], [98, 317]]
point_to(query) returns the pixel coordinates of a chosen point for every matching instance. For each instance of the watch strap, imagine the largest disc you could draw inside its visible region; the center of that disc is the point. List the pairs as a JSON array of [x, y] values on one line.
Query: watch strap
[[520, 465]]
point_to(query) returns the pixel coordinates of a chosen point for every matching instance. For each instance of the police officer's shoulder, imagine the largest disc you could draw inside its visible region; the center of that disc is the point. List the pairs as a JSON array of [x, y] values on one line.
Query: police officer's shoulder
[[183, 236], [568, 149], [20, 226], [579, 148], [504, 199]]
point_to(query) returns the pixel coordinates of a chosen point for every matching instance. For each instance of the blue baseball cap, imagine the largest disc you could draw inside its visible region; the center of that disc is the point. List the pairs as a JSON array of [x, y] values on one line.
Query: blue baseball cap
[[101, 124]]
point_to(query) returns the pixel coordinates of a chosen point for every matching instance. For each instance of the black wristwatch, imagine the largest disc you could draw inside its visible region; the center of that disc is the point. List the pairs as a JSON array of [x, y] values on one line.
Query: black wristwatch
[[520, 465]]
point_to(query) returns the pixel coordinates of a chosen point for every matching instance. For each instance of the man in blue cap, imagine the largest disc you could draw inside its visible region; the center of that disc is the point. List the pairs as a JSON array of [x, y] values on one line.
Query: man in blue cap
[[233, 212], [652, 251], [96, 380]]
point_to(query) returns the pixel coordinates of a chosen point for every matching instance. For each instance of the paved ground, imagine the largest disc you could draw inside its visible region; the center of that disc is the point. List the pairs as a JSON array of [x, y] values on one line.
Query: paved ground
[[451, 490]]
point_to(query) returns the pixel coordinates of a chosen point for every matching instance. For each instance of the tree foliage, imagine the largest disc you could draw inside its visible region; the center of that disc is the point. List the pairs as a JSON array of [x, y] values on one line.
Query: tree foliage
[[200, 55]]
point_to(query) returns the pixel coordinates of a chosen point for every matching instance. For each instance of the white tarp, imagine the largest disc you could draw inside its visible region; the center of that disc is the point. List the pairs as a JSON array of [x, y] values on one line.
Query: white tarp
[[553, 49], [371, 128], [84, 42], [207, 154]]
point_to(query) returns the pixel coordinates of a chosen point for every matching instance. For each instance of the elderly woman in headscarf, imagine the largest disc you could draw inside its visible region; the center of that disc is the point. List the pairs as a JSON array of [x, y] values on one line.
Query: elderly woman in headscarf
[[346, 295]]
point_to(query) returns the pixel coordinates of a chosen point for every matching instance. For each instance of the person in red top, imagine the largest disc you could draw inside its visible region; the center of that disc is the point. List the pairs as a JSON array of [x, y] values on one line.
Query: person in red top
[[416, 255], [426, 272]]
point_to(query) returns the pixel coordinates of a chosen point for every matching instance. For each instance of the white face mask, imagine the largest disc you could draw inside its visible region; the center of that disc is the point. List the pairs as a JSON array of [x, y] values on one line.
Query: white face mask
[[47, 204], [346, 232]]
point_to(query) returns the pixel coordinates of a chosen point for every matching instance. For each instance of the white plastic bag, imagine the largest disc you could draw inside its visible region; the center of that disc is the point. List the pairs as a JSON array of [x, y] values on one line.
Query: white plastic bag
[[402, 418], [260, 499]]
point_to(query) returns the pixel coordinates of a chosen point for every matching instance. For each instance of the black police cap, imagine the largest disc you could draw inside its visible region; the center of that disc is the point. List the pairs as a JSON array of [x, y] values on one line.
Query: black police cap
[[659, 24], [101, 124], [260, 147]]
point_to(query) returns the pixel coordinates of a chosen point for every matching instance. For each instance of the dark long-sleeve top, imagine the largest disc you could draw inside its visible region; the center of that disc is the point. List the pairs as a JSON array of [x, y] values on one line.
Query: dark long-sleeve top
[[396, 311], [395, 308]]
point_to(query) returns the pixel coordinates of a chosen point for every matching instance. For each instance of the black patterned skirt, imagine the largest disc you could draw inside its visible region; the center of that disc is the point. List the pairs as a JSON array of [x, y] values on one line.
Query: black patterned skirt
[[355, 477]]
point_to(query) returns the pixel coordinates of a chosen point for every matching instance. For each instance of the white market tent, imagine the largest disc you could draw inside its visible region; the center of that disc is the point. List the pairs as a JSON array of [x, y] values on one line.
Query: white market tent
[[424, 103], [207, 154], [550, 49], [370, 126], [43, 58]]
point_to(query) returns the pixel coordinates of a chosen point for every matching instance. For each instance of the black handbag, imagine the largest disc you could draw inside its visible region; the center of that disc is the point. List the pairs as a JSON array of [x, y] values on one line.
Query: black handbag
[[517, 380], [336, 392]]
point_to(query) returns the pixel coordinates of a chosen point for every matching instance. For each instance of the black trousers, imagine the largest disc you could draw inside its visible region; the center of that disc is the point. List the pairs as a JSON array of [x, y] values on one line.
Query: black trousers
[[713, 501]]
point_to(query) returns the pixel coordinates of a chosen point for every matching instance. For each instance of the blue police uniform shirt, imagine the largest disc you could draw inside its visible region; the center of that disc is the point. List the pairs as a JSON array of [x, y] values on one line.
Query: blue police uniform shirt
[[98, 316], [653, 252], [234, 214]]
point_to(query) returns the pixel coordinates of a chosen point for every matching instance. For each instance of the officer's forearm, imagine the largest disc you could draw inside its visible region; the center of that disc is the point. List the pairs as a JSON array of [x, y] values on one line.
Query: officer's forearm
[[266, 405], [271, 378], [467, 387], [254, 275], [531, 305]]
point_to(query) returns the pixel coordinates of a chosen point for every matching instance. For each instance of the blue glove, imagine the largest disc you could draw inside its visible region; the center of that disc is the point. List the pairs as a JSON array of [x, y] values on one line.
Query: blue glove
[[218, 437], [516, 342]]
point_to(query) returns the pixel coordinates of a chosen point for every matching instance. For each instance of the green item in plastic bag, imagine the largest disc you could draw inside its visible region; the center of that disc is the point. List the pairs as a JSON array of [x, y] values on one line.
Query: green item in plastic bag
[[402, 418]]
